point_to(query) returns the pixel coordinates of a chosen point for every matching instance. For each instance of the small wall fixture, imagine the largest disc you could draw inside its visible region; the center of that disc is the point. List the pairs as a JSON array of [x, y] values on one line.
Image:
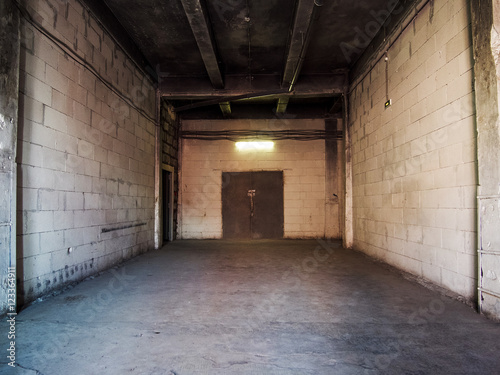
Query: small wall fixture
[[255, 146]]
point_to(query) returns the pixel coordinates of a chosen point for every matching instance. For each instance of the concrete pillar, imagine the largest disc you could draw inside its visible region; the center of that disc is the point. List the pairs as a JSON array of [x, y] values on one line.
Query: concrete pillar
[[486, 44], [348, 234], [9, 91], [333, 174], [157, 232]]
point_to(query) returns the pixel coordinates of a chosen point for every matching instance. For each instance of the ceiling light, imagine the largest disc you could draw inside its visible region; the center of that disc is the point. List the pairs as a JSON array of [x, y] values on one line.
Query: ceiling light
[[255, 146]]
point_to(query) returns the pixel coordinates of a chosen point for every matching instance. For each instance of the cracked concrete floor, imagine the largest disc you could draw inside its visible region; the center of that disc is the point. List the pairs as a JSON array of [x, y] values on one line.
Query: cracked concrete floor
[[264, 307]]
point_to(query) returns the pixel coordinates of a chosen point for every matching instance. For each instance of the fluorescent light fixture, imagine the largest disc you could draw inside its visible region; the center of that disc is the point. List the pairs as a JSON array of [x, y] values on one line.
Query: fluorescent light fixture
[[255, 146]]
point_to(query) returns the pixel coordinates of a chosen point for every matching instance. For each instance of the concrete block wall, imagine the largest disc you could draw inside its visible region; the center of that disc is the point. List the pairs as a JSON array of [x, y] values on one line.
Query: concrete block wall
[[414, 163], [85, 151], [202, 164], [170, 136]]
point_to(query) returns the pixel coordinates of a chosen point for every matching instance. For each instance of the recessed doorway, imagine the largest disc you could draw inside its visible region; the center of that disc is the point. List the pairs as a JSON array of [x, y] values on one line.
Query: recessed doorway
[[167, 204]]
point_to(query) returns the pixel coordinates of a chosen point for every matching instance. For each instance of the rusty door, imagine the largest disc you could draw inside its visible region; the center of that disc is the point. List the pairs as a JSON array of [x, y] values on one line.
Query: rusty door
[[236, 205], [252, 205]]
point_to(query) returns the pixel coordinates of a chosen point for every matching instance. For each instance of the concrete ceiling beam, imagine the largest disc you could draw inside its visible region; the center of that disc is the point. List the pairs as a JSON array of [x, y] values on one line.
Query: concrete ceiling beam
[[225, 107], [198, 88], [199, 21], [299, 41], [282, 104]]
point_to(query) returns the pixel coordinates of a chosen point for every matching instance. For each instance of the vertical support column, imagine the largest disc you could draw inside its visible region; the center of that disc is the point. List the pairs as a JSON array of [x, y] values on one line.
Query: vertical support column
[[348, 237], [9, 95], [486, 46], [180, 186], [158, 161], [332, 177]]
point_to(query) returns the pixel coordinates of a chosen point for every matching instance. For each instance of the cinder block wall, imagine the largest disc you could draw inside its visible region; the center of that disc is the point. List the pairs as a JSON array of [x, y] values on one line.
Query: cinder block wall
[[302, 163], [414, 164], [85, 151]]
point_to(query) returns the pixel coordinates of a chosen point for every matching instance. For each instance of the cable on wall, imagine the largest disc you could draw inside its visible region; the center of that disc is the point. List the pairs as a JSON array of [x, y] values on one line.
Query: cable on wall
[[79, 59], [117, 42], [386, 59], [249, 36], [375, 61], [271, 135]]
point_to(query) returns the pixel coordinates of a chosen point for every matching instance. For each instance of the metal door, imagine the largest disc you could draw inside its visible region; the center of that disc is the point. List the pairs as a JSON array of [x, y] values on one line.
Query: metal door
[[252, 205], [267, 219], [236, 205]]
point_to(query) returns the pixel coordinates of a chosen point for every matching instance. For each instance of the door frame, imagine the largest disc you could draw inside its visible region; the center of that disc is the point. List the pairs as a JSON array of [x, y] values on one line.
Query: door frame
[[167, 168]]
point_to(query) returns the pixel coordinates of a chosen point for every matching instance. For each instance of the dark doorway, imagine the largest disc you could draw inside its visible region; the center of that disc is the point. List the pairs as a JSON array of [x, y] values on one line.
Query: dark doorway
[[166, 180], [252, 205]]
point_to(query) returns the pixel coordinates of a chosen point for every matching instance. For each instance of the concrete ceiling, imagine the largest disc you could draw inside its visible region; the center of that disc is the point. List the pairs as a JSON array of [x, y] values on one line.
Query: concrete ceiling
[[208, 52]]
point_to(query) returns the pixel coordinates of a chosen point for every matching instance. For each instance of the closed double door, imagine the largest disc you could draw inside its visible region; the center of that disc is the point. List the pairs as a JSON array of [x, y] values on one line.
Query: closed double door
[[252, 205]]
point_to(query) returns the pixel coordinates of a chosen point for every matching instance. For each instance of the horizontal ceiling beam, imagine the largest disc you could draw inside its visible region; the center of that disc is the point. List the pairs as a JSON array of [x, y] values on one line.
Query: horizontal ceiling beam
[[198, 88], [197, 16], [221, 101]]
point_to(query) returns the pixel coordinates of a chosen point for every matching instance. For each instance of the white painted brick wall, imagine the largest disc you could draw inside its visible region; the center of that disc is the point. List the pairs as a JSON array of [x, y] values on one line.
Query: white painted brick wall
[[202, 164], [78, 171], [414, 164]]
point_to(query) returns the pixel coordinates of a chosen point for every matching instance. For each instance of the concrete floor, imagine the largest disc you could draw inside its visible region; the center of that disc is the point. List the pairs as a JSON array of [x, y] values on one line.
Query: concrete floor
[[265, 307]]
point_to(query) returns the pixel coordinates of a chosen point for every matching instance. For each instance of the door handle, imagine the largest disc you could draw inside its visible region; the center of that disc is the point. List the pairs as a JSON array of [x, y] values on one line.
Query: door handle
[[251, 194]]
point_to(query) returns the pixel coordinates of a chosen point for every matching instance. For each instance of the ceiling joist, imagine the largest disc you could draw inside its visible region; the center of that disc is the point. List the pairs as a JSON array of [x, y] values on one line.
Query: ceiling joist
[[197, 15], [282, 104], [300, 37], [225, 107]]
